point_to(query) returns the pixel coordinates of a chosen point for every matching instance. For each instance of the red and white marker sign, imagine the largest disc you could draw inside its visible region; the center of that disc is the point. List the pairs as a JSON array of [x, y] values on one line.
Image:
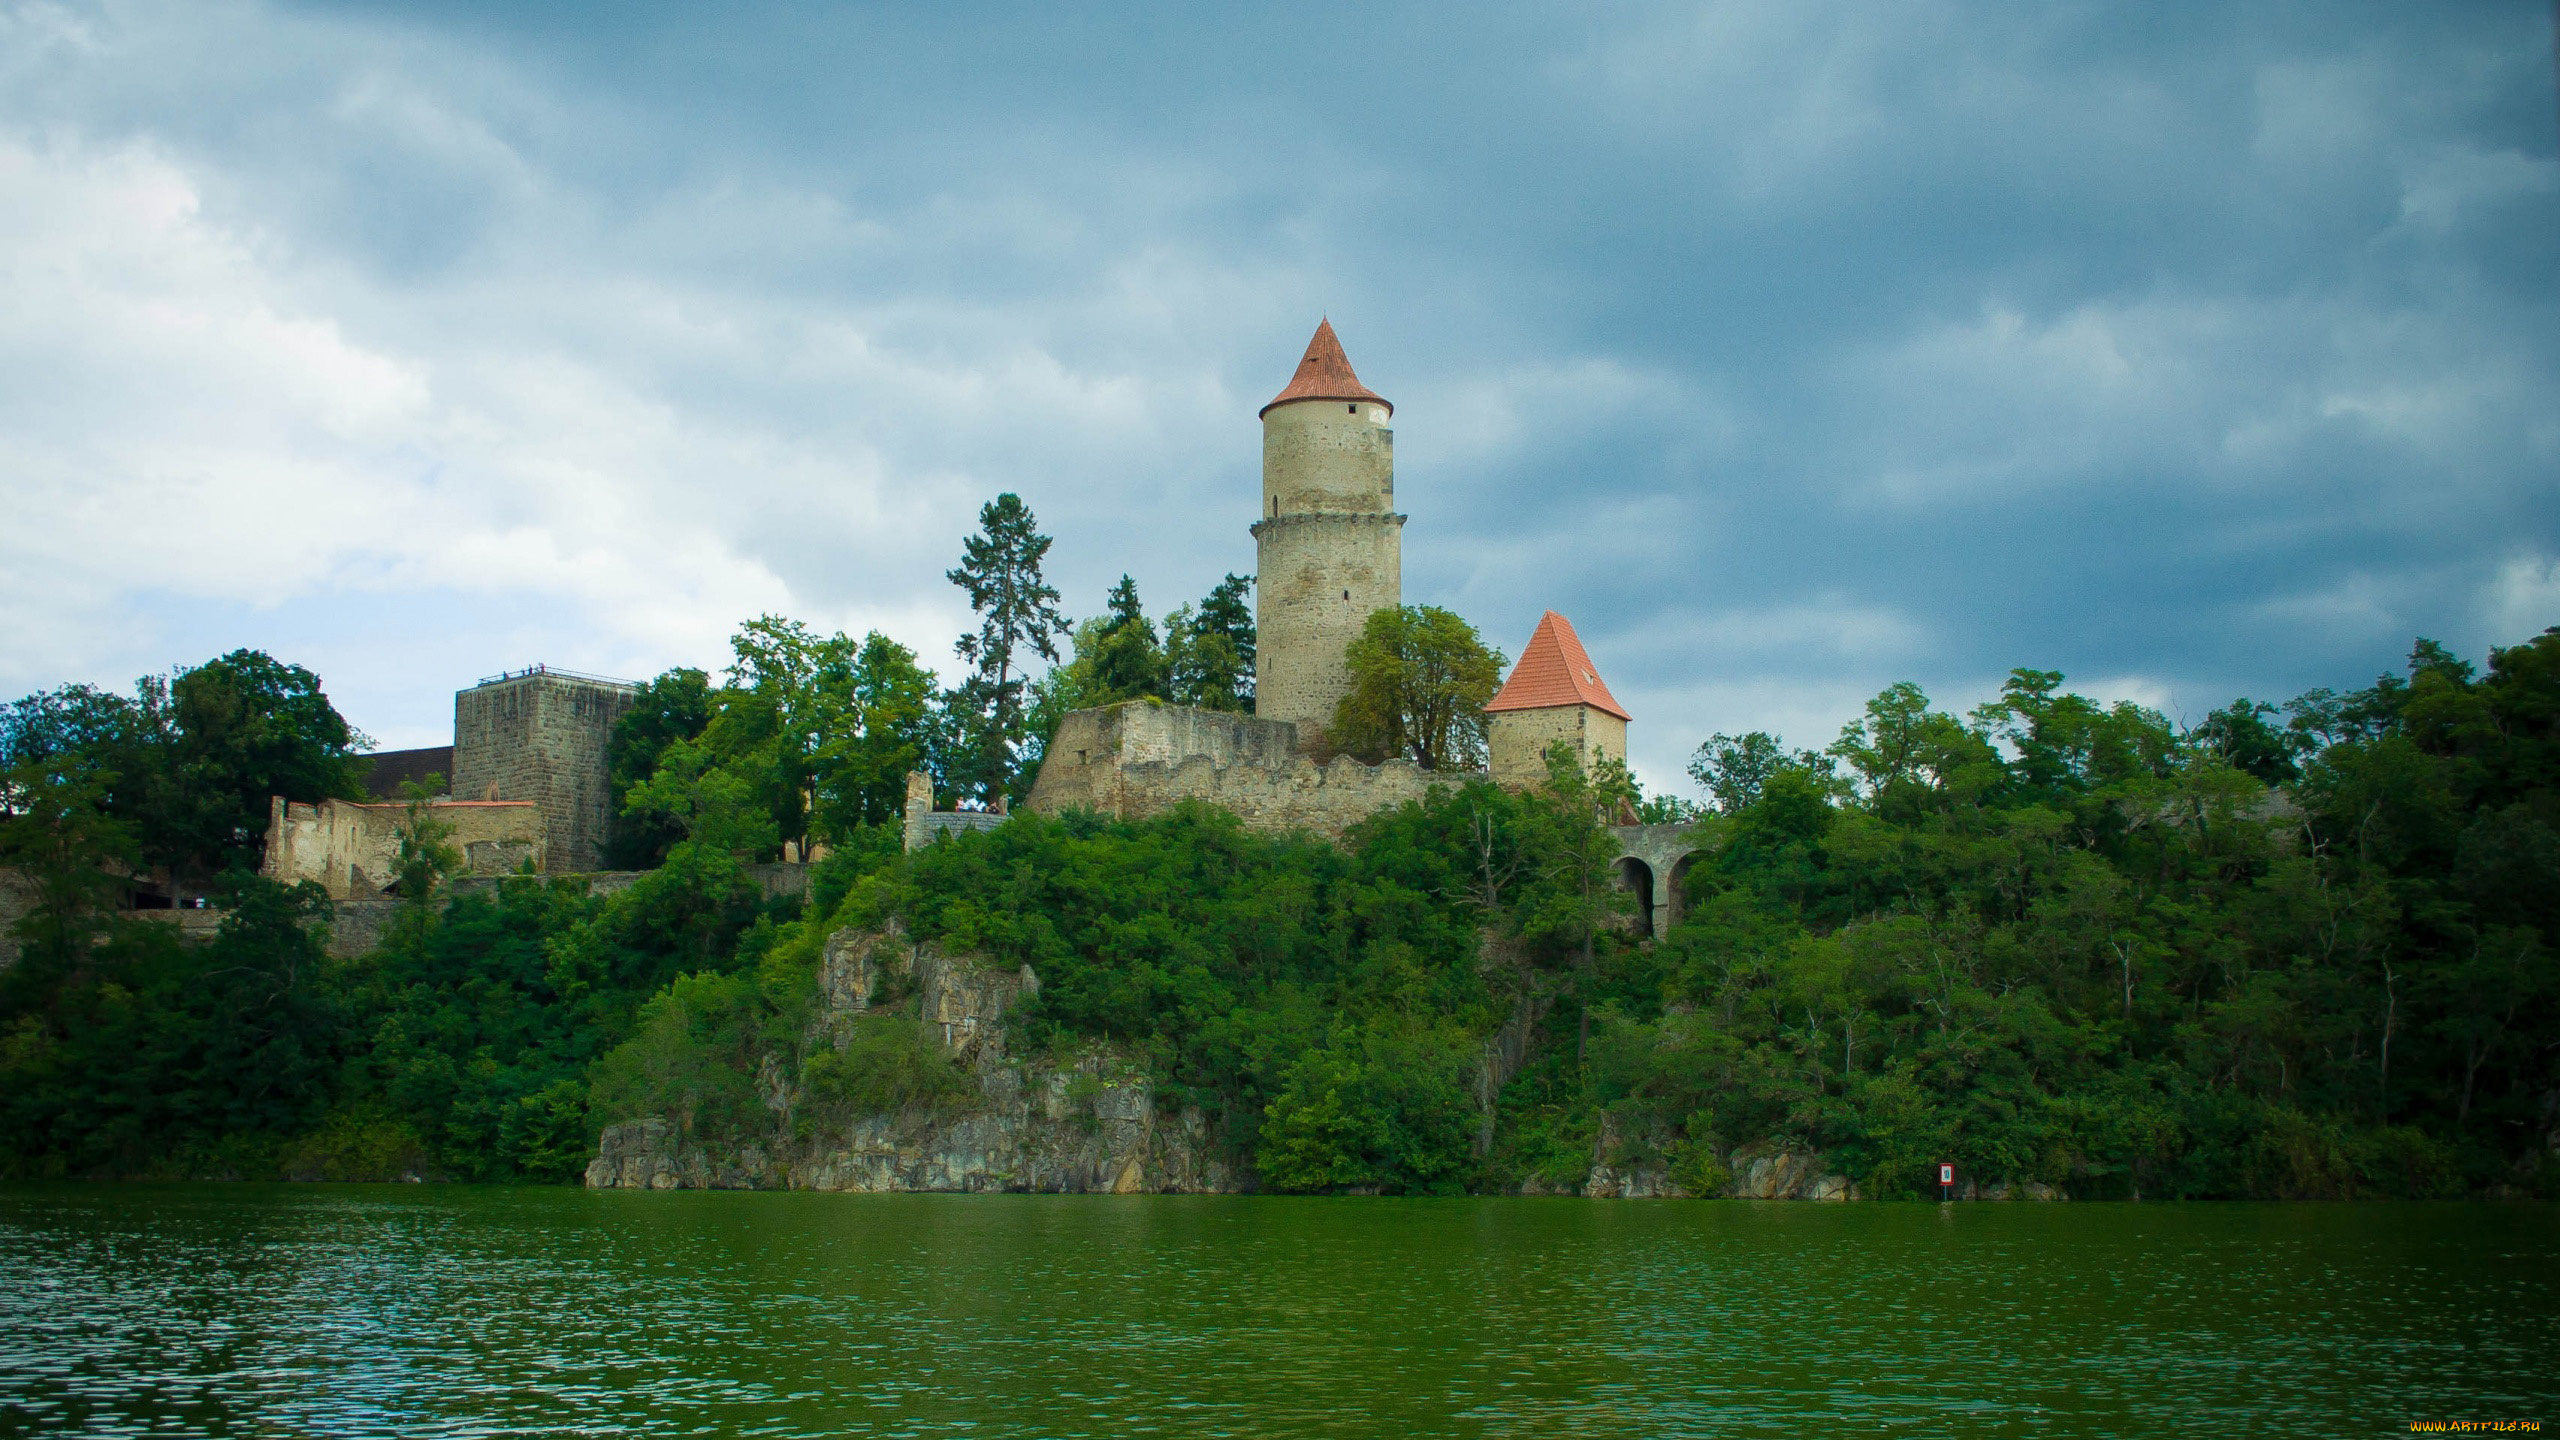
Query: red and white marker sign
[[1946, 1174]]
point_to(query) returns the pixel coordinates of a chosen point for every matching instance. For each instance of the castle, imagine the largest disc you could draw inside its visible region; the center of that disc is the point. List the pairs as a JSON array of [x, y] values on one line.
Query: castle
[[529, 777], [1329, 552]]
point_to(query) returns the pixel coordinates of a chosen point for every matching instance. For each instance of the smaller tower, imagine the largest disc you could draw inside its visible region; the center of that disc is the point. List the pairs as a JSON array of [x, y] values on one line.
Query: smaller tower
[[1554, 693]]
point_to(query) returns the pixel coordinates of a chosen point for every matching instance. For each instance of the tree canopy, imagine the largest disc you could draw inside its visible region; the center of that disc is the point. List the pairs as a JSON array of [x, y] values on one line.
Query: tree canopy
[[1420, 678], [188, 765], [2051, 940]]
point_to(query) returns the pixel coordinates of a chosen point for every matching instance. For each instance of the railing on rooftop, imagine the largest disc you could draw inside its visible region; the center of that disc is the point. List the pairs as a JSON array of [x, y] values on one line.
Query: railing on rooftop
[[563, 674]]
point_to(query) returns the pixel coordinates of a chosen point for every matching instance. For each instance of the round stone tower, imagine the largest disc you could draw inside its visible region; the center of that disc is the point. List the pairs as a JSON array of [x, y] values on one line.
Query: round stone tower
[[1328, 545]]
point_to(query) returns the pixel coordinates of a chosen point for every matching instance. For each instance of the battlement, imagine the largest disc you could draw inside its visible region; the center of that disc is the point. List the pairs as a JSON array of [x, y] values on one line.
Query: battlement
[[1139, 758]]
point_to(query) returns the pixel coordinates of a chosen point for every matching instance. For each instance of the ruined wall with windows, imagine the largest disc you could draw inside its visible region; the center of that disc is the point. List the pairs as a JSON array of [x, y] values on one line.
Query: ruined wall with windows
[[353, 850]]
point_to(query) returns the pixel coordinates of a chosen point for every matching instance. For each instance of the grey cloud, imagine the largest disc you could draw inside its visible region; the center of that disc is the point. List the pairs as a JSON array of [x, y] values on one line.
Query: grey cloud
[[1790, 349]]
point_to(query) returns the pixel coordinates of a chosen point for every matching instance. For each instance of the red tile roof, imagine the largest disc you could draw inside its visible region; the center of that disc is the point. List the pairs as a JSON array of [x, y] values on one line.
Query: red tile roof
[[1555, 671], [1325, 375]]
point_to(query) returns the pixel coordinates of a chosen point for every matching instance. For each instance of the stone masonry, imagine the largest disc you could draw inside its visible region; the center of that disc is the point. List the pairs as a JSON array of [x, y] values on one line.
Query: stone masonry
[[1517, 740], [352, 849], [1555, 694], [1329, 546], [540, 735], [924, 824], [1137, 759]]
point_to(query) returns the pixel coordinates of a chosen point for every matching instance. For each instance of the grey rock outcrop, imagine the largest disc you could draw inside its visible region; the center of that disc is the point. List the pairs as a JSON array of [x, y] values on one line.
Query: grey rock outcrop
[[1776, 1174], [1089, 1123], [1639, 1180]]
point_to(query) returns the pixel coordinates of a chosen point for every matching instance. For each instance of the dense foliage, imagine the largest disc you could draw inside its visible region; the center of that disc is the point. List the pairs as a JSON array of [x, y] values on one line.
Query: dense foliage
[[2050, 941], [1420, 677], [812, 737], [2292, 951], [180, 774], [2064, 942]]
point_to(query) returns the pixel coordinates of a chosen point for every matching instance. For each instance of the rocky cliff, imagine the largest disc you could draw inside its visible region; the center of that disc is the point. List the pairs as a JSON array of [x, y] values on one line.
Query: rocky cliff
[[1090, 1123]]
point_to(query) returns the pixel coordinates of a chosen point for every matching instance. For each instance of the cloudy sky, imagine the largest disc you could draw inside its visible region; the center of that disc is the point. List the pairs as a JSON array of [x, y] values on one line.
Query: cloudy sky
[[1791, 349]]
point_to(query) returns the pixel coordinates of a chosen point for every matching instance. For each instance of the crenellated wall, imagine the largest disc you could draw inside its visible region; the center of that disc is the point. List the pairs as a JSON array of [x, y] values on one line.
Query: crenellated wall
[[1138, 759]]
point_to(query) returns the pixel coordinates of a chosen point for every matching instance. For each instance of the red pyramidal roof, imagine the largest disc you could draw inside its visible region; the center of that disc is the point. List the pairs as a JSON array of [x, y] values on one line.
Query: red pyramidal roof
[[1553, 671], [1325, 375]]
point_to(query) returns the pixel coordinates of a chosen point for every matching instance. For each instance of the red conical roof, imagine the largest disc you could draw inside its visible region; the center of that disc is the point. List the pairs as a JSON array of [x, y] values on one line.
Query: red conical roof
[[1554, 671], [1325, 375]]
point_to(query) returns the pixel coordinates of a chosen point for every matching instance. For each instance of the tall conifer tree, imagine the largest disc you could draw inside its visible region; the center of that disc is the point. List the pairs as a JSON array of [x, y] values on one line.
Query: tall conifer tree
[[1000, 570]]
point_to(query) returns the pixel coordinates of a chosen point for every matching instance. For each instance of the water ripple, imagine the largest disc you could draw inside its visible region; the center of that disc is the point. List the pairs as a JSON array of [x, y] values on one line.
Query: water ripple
[[209, 1310]]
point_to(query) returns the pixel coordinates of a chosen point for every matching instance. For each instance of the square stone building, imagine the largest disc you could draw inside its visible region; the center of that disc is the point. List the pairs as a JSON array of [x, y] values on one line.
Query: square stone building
[[541, 735]]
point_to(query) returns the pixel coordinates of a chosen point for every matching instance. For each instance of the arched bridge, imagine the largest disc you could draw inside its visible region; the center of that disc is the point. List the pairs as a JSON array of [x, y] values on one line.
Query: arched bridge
[[1652, 861]]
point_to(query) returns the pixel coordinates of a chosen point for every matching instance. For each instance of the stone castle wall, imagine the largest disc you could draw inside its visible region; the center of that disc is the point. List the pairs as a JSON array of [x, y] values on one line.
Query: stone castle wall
[[353, 849], [1329, 550], [1138, 759], [1516, 741], [542, 737], [924, 824]]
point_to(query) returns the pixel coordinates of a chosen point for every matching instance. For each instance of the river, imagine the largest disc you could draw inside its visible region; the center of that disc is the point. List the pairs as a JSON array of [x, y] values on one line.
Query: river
[[435, 1311]]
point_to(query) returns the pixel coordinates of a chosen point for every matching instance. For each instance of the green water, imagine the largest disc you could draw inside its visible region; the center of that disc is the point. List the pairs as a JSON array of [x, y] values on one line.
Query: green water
[[410, 1311]]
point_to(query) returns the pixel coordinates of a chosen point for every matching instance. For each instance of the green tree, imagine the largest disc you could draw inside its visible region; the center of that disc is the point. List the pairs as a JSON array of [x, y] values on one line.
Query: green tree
[[792, 699], [999, 570], [888, 1065], [1209, 651], [124, 745], [189, 766], [717, 809], [56, 835], [862, 774], [1379, 1110], [1734, 769], [2064, 745], [1910, 759], [244, 727], [692, 1059], [1575, 896], [676, 705], [1420, 678], [2239, 735], [1126, 662]]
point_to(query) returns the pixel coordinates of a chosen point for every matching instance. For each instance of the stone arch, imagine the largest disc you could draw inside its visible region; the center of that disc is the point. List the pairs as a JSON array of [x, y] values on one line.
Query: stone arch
[[1675, 892], [1636, 877], [1662, 854]]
